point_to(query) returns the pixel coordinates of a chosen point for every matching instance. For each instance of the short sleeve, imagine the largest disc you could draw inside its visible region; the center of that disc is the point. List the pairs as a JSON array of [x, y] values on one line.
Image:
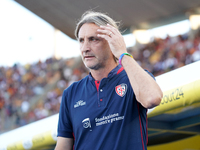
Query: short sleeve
[[64, 123], [150, 74]]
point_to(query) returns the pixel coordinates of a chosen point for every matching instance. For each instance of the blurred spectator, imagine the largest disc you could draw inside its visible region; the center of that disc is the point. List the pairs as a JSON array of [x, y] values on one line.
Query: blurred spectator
[[163, 55]]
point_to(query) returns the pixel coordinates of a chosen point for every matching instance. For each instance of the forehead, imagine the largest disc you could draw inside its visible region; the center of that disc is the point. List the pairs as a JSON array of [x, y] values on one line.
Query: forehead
[[88, 29]]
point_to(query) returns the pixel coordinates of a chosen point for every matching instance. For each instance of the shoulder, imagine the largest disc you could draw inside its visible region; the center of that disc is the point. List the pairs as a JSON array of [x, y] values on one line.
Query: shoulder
[[71, 91], [75, 85]]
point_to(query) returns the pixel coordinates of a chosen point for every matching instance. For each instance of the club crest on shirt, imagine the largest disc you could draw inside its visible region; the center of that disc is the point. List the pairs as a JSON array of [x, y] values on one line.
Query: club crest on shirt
[[121, 89], [86, 123]]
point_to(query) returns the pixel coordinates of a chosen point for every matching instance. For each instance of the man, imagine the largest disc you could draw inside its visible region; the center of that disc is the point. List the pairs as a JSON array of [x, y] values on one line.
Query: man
[[107, 110]]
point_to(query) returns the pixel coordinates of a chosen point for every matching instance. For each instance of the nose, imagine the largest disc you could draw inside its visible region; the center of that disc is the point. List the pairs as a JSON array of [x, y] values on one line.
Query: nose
[[85, 46]]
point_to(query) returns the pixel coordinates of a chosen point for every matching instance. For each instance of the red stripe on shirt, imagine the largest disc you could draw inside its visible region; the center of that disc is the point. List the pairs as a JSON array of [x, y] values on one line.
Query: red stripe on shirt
[[146, 128], [120, 70], [140, 126]]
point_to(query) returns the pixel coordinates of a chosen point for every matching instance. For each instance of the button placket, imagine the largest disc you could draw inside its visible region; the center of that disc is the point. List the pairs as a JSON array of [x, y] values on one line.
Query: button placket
[[101, 99], [101, 92]]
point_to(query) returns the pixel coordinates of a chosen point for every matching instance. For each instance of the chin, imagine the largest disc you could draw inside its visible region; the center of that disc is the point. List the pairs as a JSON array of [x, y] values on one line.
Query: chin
[[95, 67], [89, 64]]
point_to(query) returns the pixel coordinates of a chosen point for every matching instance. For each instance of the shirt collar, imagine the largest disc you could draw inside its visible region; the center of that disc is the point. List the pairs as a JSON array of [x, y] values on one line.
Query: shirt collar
[[111, 74]]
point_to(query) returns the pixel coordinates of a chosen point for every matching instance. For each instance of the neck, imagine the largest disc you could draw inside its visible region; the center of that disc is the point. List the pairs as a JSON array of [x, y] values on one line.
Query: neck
[[102, 72]]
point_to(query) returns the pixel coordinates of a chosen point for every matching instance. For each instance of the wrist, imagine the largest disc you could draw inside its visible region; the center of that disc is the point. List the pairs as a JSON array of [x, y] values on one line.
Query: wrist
[[122, 55]]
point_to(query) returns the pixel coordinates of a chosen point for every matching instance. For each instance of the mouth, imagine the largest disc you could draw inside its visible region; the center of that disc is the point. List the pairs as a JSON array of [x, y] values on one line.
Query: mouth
[[88, 57]]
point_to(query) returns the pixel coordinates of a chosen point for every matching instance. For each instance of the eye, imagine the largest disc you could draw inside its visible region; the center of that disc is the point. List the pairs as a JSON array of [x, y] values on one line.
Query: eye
[[80, 40], [93, 39]]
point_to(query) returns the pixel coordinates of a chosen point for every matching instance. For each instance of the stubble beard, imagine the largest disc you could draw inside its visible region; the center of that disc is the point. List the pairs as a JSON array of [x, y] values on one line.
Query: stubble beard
[[95, 66]]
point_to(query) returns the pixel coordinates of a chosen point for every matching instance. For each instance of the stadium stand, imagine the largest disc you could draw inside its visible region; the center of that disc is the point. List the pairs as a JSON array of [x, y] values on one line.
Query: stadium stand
[[163, 55], [33, 92], [173, 124]]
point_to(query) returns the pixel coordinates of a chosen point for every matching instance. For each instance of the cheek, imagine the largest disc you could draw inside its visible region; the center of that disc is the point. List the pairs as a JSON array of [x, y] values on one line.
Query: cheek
[[102, 49], [81, 49], [102, 46], [105, 45], [80, 46]]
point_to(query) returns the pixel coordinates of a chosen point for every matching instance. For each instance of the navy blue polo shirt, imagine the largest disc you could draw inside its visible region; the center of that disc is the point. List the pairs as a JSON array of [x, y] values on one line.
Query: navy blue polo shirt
[[103, 115]]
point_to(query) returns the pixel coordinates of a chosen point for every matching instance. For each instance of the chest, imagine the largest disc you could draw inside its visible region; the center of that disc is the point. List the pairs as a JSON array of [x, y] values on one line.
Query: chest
[[94, 107]]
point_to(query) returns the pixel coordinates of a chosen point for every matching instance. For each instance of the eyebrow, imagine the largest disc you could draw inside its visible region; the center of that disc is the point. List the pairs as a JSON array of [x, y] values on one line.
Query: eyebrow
[[90, 37]]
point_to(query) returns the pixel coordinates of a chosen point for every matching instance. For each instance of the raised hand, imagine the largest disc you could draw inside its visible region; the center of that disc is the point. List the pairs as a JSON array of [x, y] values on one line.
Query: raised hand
[[114, 39]]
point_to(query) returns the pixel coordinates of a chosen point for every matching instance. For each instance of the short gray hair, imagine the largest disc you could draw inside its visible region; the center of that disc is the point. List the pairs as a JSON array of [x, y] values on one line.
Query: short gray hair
[[97, 18]]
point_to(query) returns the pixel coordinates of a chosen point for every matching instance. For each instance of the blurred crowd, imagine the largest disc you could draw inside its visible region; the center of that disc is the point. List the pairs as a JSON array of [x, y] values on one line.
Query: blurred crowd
[[34, 91], [163, 55]]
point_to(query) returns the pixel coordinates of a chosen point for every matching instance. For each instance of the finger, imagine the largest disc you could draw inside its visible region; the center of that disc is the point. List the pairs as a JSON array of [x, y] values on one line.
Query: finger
[[105, 36], [106, 32], [110, 28]]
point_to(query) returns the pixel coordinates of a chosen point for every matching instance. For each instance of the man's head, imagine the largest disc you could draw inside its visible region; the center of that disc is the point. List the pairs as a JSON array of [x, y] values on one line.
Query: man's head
[[100, 19], [97, 19]]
